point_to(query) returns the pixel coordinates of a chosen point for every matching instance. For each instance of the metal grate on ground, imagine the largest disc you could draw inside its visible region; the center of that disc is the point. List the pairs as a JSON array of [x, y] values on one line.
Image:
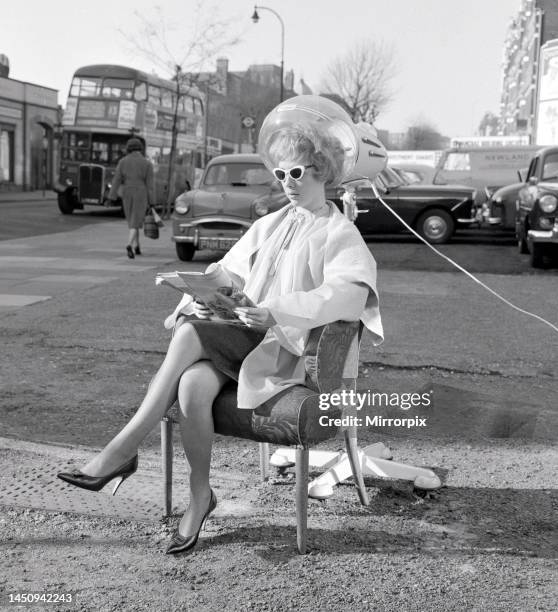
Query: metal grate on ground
[[140, 497]]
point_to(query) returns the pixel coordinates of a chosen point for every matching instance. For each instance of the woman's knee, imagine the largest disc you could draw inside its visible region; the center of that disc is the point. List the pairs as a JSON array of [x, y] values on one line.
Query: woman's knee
[[198, 387]]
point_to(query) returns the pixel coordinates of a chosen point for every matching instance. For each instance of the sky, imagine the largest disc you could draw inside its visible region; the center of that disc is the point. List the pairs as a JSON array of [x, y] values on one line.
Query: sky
[[448, 53]]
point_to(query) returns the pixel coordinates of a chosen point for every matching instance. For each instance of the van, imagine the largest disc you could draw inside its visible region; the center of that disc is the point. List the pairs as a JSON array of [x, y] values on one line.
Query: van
[[484, 168]]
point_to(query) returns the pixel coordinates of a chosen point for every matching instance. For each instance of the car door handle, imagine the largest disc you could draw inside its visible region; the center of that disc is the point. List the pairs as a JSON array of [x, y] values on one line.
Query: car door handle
[[363, 210]]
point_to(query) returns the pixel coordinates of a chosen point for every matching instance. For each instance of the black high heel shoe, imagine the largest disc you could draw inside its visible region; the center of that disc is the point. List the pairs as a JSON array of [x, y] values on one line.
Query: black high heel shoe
[[137, 251], [181, 543], [96, 483], [130, 251]]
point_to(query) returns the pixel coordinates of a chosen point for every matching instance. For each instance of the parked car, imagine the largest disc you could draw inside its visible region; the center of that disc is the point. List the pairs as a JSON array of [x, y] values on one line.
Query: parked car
[[237, 189], [234, 191], [536, 222], [500, 208], [435, 212], [416, 173]]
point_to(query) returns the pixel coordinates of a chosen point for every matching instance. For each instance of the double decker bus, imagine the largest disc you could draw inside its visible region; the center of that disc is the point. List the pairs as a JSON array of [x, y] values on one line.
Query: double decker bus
[[108, 104]]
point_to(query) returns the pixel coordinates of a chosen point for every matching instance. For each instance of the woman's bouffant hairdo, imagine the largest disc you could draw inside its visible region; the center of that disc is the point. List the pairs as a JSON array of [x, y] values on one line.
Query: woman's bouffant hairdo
[[307, 145], [134, 144]]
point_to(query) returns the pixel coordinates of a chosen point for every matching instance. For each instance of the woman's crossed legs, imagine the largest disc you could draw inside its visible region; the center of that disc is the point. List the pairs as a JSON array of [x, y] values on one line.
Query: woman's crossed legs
[[184, 351]]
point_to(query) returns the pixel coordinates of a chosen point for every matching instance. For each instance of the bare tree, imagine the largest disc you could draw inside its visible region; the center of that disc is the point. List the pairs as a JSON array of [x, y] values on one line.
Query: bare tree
[[181, 53], [361, 78], [423, 136], [489, 124]]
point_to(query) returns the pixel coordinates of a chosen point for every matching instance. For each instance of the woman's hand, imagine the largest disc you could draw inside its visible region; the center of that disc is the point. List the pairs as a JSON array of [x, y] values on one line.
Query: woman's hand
[[260, 317], [201, 310]]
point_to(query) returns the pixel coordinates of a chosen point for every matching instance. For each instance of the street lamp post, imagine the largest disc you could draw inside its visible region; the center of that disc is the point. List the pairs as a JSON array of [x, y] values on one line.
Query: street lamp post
[[255, 19]]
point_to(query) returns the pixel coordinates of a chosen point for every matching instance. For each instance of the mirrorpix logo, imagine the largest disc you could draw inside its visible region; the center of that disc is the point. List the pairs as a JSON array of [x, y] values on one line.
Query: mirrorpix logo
[[357, 400]]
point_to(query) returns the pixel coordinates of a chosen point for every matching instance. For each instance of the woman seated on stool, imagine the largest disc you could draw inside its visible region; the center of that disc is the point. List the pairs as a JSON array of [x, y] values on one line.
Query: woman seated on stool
[[304, 266]]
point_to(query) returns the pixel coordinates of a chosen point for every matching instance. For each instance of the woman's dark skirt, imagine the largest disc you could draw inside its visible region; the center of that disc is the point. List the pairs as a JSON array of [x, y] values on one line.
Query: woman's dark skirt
[[227, 344]]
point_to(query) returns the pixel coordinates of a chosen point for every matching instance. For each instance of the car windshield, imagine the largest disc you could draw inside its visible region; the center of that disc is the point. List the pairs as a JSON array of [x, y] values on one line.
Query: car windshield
[[391, 178], [412, 177], [238, 175], [550, 168], [402, 175]]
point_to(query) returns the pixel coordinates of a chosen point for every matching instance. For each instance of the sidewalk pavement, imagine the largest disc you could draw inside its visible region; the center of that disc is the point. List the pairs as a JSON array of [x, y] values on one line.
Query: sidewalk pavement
[[36, 268], [27, 196]]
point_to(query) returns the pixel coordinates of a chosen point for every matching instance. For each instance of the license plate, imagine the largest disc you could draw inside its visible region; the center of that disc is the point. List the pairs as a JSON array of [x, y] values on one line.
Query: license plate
[[90, 200], [217, 243]]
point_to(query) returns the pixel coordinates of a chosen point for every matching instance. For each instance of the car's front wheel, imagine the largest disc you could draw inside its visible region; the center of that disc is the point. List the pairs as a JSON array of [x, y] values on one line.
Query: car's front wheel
[[185, 251], [435, 226], [521, 241], [537, 256]]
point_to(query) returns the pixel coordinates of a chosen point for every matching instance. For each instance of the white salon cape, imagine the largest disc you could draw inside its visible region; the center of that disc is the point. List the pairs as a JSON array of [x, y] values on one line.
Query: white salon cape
[[308, 269]]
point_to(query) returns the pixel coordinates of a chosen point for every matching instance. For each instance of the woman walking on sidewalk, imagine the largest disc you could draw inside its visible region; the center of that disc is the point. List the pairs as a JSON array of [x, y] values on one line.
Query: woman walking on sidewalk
[[304, 266], [135, 174]]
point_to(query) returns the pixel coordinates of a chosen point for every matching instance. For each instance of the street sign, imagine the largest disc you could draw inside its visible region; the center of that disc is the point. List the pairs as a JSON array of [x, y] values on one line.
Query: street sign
[[248, 122]]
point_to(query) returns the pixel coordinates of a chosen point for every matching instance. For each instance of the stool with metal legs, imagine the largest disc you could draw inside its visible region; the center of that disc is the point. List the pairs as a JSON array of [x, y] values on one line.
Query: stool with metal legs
[[292, 417]]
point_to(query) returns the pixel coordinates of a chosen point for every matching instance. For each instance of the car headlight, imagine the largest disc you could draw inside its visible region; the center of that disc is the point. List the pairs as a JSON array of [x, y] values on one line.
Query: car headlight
[[548, 203], [181, 205], [261, 208]]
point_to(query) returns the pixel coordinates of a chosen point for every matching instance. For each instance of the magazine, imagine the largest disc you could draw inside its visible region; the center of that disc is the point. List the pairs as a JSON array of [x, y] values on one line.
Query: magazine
[[213, 289]]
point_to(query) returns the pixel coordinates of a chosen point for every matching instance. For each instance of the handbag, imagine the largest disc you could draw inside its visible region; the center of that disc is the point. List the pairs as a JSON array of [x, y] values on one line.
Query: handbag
[[150, 227]]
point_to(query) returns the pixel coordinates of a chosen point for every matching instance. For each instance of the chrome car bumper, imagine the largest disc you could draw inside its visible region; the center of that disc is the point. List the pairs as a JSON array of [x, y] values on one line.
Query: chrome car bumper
[[200, 233], [546, 236], [495, 220]]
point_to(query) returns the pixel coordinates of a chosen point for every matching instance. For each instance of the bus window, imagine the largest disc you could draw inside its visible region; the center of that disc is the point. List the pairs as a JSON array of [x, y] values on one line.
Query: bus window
[[166, 98], [155, 95], [140, 93], [117, 88], [75, 146], [117, 152], [77, 140], [86, 87], [188, 104], [100, 152]]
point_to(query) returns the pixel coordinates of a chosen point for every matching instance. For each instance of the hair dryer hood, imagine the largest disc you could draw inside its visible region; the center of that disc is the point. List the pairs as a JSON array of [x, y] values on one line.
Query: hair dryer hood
[[318, 113], [365, 155]]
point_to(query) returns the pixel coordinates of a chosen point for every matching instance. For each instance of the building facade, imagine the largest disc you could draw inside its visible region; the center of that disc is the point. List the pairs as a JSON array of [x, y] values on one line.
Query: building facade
[[29, 116], [535, 25], [237, 103]]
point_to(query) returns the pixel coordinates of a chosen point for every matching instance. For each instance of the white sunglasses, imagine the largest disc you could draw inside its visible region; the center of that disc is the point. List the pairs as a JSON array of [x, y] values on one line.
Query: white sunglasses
[[296, 172]]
